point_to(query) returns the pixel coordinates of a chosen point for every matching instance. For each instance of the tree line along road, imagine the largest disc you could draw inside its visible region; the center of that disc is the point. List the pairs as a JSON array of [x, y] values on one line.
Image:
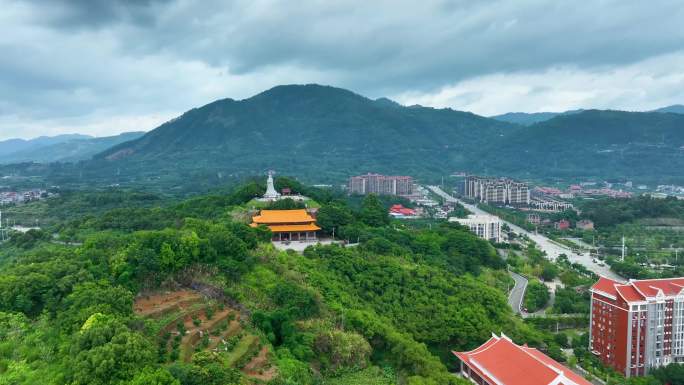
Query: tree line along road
[[545, 244]]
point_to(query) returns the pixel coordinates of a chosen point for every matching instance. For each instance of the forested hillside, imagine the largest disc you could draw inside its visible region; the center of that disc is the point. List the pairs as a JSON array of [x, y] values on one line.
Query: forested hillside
[[187, 293], [595, 143], [304, 130], [325, 134]]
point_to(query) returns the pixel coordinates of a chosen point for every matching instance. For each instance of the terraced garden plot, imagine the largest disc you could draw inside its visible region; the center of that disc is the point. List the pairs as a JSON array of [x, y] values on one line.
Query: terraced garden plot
[[188, 323]]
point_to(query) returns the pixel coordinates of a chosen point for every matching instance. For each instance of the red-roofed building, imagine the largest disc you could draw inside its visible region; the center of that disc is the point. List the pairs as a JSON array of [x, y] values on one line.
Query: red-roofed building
[[499, 361], [638, 325], [563, 224], [399, 211]]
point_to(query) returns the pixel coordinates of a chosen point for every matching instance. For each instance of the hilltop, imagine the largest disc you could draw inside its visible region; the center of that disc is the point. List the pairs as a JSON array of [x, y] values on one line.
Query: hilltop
[[311, 128], [324, 134]]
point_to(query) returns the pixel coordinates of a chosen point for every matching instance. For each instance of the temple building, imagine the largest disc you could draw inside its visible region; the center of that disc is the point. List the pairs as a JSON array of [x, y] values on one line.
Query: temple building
[[499, 361], [288, 225]]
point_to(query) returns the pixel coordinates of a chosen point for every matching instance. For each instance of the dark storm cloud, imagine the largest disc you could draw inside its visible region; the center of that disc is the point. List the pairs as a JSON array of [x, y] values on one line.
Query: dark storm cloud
[[70, 14], [114, 58]]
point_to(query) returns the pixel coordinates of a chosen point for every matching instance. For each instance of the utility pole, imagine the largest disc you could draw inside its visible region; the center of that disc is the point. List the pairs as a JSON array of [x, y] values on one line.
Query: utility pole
[[3, 231], [623, 248]]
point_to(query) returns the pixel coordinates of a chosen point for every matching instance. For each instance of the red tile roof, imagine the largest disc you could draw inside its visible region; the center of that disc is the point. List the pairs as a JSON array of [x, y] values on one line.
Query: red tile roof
[[606, 285], [650, 287], [639, 290], [629, 293], [399, 209], [500, 361]]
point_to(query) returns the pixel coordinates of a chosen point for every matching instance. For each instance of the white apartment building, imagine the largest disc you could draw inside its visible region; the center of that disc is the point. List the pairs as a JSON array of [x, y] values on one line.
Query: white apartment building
[[484, 226]]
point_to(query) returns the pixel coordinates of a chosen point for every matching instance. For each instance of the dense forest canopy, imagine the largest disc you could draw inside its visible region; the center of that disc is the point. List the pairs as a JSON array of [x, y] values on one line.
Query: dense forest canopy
[[399, 302]]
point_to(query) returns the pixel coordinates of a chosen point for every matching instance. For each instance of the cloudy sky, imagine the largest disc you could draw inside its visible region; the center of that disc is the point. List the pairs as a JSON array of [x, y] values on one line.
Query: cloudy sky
[[102, 67]]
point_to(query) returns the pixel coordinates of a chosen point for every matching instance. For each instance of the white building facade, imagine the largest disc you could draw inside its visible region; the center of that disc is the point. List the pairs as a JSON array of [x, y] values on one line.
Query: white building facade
[[484, 226]]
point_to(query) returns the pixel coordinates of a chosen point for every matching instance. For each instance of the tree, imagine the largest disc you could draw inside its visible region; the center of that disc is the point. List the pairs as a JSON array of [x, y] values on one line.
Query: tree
[[672, 374], [333, 216], [151, 376], [373, 213], [105, 352], [549, 272]]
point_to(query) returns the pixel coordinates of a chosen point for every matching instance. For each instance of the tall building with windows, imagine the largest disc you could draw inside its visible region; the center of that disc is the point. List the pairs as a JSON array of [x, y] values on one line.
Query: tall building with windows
[[638, 325], [497, 190], [484, 226], [380, 184]]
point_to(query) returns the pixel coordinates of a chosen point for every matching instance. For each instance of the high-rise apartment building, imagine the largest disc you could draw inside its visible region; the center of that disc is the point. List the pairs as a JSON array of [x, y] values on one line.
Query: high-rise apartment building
[[381, 185], [638, 325], [484, 226], [497, 190]]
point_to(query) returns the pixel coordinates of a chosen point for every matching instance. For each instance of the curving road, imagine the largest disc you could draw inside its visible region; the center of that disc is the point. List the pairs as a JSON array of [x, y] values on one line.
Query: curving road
[[517, 294], [551, 248]]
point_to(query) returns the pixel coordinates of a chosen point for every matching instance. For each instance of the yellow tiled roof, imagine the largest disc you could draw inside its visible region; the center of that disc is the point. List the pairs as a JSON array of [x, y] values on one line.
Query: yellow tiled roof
[[292, 228], [283, 216]]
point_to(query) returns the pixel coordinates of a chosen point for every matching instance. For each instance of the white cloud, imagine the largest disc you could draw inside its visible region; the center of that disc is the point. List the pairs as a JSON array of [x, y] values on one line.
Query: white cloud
[[98, 66], [645, 85]]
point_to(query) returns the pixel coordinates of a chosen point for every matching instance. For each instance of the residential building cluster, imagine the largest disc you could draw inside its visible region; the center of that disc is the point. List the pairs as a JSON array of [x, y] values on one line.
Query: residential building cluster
[[671, 190], [498, 191], [550, 204], [608, 192], [580, 191], [15, 197], [484, 226], [381, 185], [638, 325]]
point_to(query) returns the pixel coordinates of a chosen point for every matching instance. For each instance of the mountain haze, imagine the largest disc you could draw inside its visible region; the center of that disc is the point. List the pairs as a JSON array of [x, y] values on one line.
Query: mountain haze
[[65, 148], [675, 109], [10, 146], [527, 119]]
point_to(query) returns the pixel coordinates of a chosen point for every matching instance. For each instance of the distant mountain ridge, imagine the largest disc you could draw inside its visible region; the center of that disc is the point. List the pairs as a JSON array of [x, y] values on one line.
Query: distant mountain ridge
[[325, 134], [329, 133], [9, 146], [61, 148], [675, 109], [529, 118], [596, 142]]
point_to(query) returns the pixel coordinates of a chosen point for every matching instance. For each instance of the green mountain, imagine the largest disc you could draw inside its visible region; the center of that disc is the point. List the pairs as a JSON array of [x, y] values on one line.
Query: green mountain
[[675, 109], [527, 119], [65, 148], [10, 146], [324, 134], [594, 143], [311, 130]]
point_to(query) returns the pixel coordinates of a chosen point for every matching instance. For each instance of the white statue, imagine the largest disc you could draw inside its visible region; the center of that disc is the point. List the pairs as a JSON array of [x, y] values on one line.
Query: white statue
[[271, 193]]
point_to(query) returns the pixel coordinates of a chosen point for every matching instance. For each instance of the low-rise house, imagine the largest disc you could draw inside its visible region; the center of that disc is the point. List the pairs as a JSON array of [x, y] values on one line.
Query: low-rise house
[[399, 211], [585, 224], [563, 224]]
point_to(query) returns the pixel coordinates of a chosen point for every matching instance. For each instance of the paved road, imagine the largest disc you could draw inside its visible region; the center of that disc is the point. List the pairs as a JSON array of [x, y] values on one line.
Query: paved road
[[551, 248], [515, 297]]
